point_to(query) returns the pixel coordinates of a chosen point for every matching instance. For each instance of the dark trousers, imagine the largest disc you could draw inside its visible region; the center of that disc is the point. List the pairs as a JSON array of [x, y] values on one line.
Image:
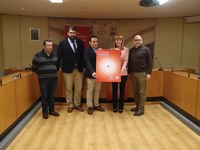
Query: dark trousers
[[121, 85], [47, 88]]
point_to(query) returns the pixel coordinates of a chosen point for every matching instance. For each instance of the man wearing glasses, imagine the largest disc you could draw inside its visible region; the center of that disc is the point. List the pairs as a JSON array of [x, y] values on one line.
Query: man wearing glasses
[[70, 59], [140, 68]]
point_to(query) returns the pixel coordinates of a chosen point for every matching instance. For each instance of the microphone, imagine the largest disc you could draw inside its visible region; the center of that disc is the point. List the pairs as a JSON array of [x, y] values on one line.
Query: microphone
[[28, 68], [17, 76], [160, 69], [188, 74], [172, 67]]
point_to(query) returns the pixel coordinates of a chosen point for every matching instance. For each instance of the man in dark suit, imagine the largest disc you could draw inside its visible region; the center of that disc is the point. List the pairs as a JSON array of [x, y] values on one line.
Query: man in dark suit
[[93, 87], [70, 59]]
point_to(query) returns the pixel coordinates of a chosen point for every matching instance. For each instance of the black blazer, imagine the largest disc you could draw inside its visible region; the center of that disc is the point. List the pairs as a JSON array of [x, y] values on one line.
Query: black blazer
[[67, 57], [90, 62]]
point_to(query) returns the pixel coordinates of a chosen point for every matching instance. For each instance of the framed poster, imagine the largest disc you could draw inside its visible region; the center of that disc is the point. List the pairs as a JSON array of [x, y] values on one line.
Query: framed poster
[[34, 34], [108, 66]]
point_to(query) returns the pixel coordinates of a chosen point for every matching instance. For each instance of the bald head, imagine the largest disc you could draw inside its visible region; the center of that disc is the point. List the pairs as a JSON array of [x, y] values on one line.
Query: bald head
[[137, 41], [137, 37]]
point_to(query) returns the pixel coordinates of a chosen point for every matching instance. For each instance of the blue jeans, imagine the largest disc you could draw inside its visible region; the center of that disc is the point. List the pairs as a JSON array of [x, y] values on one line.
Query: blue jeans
[[47, 88]]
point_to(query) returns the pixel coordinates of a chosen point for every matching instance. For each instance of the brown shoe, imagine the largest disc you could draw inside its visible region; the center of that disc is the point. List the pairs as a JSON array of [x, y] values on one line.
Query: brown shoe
[[45, 116], [79, 108], [99, 108], [134, 109], [70, 109], [90, 110], [139, 113], [53, 113]]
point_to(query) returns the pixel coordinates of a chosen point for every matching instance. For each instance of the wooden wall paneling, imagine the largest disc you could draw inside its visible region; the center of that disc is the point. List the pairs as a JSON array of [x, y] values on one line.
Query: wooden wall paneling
[[155, 84], [167, 85], [129, 89], [84, 88], [24, 94], [190, 96], [178, 84], [106, 90], [36, 87], [60, 90]]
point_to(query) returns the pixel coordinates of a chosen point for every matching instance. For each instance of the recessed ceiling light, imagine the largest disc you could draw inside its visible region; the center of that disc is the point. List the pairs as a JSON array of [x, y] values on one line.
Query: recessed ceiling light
[[162, 1], [56, 1]]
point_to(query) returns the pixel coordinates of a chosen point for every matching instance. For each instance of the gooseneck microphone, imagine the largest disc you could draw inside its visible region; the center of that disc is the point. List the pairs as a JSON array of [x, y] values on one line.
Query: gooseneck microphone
[[160, 69], [172, 67]]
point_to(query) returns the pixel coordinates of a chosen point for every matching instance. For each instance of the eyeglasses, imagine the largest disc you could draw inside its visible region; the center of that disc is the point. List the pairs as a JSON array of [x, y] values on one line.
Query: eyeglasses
[[137, 40]]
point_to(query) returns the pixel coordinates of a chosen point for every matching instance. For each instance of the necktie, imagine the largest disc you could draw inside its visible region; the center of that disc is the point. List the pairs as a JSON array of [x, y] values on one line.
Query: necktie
[[74, 46]]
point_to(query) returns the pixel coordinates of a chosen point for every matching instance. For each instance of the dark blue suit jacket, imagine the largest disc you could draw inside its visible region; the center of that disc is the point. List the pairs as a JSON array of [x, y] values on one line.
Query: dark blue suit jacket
[[90, 62], [67, 58]]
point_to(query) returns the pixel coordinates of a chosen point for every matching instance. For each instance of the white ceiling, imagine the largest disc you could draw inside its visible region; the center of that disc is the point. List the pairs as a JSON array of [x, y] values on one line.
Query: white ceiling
[[99, 8]]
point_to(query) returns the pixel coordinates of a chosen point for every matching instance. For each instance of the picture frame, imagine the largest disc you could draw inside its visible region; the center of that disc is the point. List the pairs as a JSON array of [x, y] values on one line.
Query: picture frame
[[34, 34]]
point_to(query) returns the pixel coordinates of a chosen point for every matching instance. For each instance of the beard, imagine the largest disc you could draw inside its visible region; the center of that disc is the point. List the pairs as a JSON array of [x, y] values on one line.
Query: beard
[[72, 37]]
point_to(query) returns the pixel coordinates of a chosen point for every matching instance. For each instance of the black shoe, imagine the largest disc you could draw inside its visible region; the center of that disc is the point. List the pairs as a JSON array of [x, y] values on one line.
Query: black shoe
[[90, 110], [120, 111], [139, 113], [45, 115], [99, 108], [134, 109], [115, 105], [121, 104], [53, 113], [115, 110]]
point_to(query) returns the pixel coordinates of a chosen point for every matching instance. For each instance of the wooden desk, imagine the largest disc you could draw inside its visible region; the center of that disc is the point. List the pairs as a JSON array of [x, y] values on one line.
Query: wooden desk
[[25, 93], [190, 96], [10, 77], [181, 90], [154, 87], [17, 93], [7, 105], [197, 113], [179, 87]]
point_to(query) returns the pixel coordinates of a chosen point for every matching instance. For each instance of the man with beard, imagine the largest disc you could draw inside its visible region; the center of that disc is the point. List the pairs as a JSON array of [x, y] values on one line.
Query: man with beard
[[70, 59]]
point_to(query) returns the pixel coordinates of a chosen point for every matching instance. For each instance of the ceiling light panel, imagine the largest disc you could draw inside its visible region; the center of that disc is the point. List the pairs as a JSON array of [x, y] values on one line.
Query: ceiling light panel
[[56, 1]]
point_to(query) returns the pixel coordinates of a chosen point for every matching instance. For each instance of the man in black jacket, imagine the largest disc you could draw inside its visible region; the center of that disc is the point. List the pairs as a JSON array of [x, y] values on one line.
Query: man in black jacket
[[93, 87], [70, 59], [140, 67]]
